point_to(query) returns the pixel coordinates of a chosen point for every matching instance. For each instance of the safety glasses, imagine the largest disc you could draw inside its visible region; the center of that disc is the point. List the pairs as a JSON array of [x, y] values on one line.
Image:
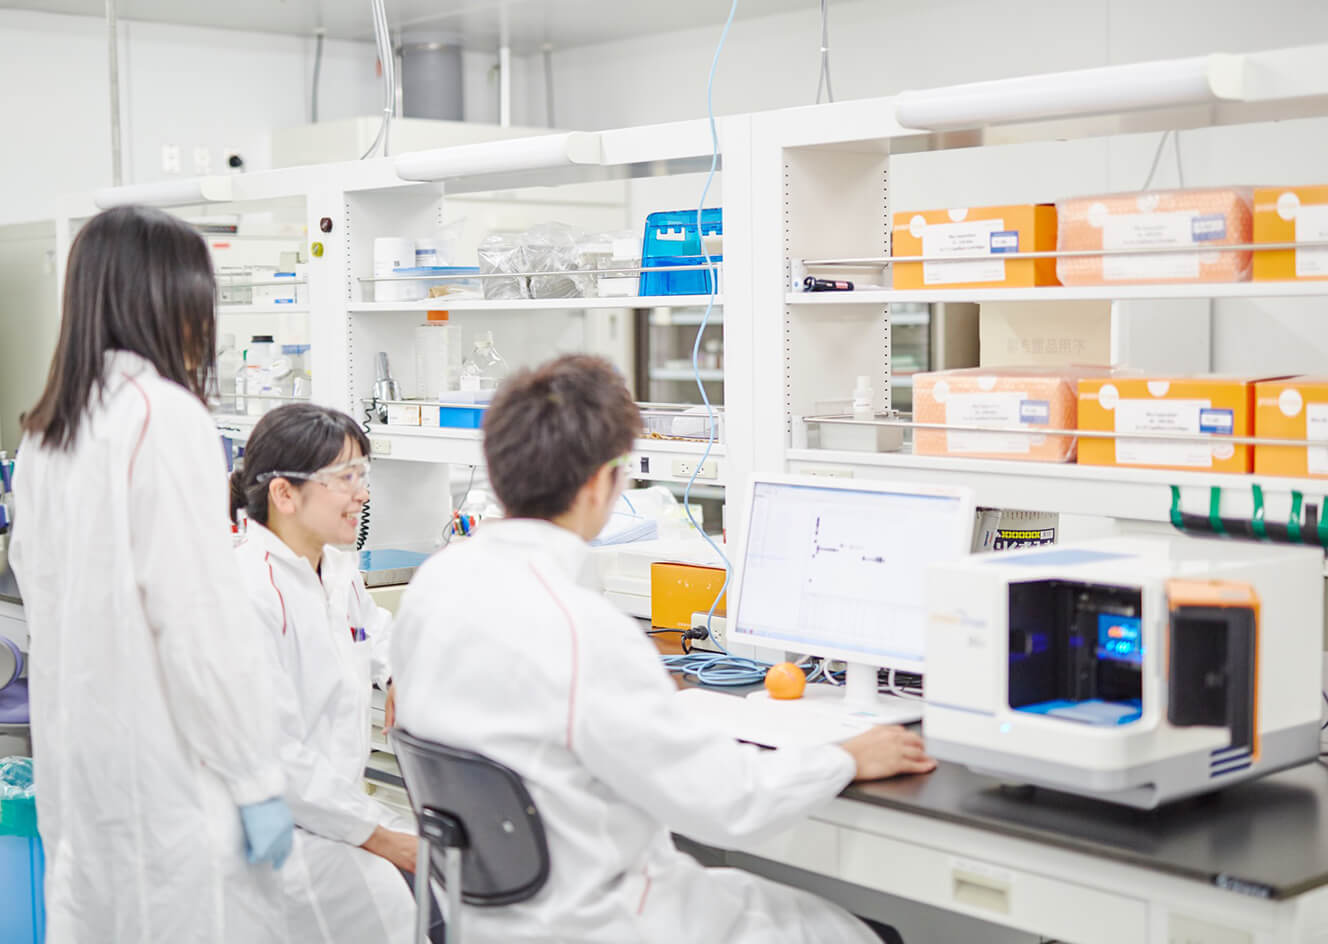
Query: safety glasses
[[348, 477]]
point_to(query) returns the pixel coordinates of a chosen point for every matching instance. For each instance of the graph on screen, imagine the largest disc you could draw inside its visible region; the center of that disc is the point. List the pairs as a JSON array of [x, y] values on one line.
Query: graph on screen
[[843, 569]]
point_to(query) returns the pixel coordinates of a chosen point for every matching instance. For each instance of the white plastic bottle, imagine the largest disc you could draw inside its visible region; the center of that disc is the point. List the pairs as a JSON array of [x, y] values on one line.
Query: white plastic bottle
[[241, 387], [259, 358], [862, 399], [433, 357], [229, 363]]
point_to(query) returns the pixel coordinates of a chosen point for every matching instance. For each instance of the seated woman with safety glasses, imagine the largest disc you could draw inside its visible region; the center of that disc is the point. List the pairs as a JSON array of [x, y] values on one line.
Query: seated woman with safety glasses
[[302, 483]]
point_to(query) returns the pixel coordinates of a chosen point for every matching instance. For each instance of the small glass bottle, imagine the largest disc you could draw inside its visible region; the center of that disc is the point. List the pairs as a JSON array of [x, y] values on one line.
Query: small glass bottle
[[484, 368]]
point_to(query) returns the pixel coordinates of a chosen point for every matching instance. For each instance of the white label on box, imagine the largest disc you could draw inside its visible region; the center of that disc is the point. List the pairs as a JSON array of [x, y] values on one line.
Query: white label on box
[[964, 241], [1312, 226], [401, 414], [1150, 231], [1162, 416], [1316, 427], [986, 409]]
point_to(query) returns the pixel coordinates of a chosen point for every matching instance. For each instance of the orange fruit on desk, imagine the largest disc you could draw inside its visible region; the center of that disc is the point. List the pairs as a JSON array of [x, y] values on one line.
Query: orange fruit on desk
[[785, 680]]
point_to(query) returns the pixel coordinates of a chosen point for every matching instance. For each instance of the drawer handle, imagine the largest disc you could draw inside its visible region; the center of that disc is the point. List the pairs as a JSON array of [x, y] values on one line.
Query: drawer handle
[[981, 891]]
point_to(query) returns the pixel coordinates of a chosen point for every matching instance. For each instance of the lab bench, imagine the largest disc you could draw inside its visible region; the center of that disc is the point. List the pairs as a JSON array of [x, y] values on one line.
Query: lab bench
[[1246, 865]]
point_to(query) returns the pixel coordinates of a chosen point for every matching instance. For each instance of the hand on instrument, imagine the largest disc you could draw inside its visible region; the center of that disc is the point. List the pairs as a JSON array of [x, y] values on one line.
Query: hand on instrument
[[887, 750], [269, 831], [398, 848]]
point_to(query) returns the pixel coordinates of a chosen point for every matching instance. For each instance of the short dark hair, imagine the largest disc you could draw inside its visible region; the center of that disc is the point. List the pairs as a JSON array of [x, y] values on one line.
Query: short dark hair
[[138, 280], [297, 437], [550, 428]]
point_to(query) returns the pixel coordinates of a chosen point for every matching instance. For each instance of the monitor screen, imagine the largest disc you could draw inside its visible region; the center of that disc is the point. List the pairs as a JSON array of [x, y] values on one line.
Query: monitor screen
[[839, 572]]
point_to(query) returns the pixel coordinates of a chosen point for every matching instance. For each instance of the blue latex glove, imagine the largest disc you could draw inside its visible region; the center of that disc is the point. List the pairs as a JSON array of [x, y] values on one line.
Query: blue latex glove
[[269, 831]]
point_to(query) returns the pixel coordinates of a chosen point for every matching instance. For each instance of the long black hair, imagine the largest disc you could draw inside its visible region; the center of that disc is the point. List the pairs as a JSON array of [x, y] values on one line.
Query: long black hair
[[138, 280], [297, 437]]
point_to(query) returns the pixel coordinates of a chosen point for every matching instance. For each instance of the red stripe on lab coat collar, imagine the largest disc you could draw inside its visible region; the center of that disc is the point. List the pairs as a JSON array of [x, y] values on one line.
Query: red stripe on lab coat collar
[[641, 905], [571, 629], [273, 577], [142, 433]]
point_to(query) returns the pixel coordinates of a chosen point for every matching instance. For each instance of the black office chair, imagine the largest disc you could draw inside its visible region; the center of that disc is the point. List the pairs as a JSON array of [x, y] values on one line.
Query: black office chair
[[480, 824]]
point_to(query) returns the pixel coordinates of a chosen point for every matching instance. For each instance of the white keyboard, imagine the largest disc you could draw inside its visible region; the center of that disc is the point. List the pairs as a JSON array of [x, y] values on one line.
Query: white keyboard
[[792, 723]]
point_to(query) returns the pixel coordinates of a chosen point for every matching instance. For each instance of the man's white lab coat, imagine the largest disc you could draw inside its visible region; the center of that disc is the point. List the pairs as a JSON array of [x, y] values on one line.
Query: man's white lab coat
[[499, 649]]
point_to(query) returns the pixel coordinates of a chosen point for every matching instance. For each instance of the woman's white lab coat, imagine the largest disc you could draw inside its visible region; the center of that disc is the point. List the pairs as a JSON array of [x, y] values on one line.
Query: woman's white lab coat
[[330, 642], [543, 675], [151, 721]]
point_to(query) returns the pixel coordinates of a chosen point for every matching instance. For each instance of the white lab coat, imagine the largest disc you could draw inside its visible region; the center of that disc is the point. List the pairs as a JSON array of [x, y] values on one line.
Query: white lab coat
[[540, 673], [151, 720], [323, 695]]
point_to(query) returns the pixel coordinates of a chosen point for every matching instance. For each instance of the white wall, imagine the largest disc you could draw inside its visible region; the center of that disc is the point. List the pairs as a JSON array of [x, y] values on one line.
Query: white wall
[[880, 47], [29, 321], [188, 86]]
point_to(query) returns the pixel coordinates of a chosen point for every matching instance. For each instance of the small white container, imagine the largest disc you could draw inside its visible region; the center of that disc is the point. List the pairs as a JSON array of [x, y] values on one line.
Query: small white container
[[865, 438], [389, 254]]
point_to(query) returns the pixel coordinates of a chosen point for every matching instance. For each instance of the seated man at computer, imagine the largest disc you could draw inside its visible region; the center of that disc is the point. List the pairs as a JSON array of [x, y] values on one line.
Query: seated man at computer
[[502, 647]]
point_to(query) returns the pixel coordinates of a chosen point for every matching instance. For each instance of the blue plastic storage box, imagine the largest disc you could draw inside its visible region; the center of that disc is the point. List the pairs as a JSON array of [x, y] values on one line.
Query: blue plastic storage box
[[461, 417], [22, 864], [671, 239]]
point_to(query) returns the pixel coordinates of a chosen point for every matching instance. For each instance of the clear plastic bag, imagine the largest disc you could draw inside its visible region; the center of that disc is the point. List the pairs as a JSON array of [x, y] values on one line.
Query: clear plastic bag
[[504, 252], [16, 778], [556, 248]]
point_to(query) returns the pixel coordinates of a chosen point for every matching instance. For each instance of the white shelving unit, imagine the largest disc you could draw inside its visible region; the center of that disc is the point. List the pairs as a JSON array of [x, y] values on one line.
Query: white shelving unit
[[1112, 492], [685, 373], [1061, 293], [798, 184], [262, 309], [534, 304], [816, 170]]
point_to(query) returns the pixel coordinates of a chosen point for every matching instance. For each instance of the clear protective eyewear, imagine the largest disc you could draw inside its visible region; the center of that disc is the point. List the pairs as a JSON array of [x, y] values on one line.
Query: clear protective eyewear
[[622, 466], [348, 477]]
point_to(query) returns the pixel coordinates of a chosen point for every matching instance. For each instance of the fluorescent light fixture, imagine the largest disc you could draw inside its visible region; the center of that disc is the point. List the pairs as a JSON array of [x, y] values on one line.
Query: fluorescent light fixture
[[497, 157], [166, 193], [1138, 86]]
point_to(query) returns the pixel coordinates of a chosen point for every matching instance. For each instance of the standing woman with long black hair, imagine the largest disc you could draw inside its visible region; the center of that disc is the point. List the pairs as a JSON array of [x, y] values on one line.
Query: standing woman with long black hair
[[154, 742]]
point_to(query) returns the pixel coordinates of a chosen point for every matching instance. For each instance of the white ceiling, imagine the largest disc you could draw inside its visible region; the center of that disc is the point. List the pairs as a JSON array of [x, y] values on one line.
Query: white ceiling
[[478, 24]]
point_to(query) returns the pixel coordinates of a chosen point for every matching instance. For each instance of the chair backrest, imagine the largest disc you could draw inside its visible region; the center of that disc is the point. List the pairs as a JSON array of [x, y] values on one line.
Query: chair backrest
[[506, 856]]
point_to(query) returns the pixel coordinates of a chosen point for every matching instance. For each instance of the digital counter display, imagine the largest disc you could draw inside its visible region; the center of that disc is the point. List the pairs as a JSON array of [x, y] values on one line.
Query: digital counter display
[[1118, 638]]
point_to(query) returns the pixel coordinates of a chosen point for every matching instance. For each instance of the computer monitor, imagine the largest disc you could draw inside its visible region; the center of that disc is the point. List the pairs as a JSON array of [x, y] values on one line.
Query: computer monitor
[[836, 570]]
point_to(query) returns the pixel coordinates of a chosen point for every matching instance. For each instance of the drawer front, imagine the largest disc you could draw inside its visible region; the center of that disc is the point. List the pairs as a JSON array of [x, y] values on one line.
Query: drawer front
[[1029, 901], [810, 845]]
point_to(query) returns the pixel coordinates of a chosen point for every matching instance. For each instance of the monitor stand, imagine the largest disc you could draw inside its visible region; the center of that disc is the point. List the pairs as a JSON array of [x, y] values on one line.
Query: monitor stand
[[856, 700]]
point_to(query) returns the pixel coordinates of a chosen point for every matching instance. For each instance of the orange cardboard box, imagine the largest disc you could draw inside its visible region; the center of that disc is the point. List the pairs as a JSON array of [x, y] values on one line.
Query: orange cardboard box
[[1004, 397], [1295, 408], [1290, 214], [1205, 219], [679, 590], [977, 237], [1205, 406]]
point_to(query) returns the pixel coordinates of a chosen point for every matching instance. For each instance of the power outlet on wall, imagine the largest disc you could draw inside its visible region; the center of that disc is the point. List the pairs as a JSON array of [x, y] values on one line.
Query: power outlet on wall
[[682, 468], [202, 160], [170, 158]]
